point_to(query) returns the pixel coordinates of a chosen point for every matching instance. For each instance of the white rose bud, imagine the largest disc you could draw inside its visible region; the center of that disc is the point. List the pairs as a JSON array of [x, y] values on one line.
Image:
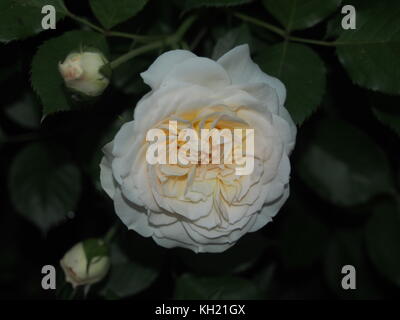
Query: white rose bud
[[81, 72], [75, 266]]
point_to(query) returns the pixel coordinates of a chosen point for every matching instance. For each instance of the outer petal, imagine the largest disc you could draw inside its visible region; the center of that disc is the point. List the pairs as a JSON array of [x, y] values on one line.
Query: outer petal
[[176, 235], [218, 242], [133, 216], [241, 69], [269, 211], [123, 139], [166, 101], [156, 73], [168, 243], [291, 137], [216, 247], [106, 178], [199, 71]]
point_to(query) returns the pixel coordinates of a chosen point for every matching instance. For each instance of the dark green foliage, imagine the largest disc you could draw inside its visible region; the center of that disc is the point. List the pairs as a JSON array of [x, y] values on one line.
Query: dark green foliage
[[343, 91]]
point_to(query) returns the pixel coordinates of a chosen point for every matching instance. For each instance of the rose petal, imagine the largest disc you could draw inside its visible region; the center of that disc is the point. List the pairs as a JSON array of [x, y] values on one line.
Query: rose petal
[[106, 177], [241, 69], [199, 71], [156, 73], [133, 216]]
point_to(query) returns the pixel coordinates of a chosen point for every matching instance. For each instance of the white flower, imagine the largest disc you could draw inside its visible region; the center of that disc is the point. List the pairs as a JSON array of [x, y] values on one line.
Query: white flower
[[205, 208], [80, 72], [74, 264]]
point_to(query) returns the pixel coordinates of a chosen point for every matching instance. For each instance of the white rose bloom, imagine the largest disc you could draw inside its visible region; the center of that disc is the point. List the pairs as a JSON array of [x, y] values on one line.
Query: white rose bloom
[[74, 264], [205, 208], [80, 72]]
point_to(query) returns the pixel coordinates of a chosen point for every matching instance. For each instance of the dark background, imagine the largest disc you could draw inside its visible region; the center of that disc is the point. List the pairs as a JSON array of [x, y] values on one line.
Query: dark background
[[297, 256]]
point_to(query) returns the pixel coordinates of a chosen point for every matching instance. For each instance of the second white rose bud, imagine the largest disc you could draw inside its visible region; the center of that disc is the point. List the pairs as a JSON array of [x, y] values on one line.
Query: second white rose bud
[[81, 72], [86, 262]]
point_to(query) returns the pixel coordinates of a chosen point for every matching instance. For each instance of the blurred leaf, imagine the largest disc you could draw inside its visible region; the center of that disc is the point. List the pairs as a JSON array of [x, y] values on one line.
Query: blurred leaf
[[46, 79], [111, 13], [6, 71], [346, 248], [334, 26], [302, 238], [237, 259], [191, 287], [266, 279], [300, 14], [11, 260], [383, 240], [57, 4], [43, 186], [129, 276], [231, 39], [389, 117], [343, 165], [9, 67], [12, 257], [23, 18], [25, 111], [302, 72], [370, 52], [191, 4], [387, 110]]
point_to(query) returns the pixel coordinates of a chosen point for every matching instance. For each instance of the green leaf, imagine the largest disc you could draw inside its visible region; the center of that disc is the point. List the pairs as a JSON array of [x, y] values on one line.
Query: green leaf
[[236, 259], [23, 18], [111, 13], [191, 4], [302, 237], [334, 26], [9, 68], [382, 235], [46, 79], [94, 249], [136, 264], [25, 111], [128, 276], [386, 109], [303, 73], [370, 52], [389, 117], [191, 287], [57, 4], [342, 164], [64, 290], [43, 186], [267, 279], [300, 14], [231, 39], [346, 248]]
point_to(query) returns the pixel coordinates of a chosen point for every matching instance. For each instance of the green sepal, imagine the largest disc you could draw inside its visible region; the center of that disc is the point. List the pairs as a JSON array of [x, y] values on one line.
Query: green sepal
[[95, 249]]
